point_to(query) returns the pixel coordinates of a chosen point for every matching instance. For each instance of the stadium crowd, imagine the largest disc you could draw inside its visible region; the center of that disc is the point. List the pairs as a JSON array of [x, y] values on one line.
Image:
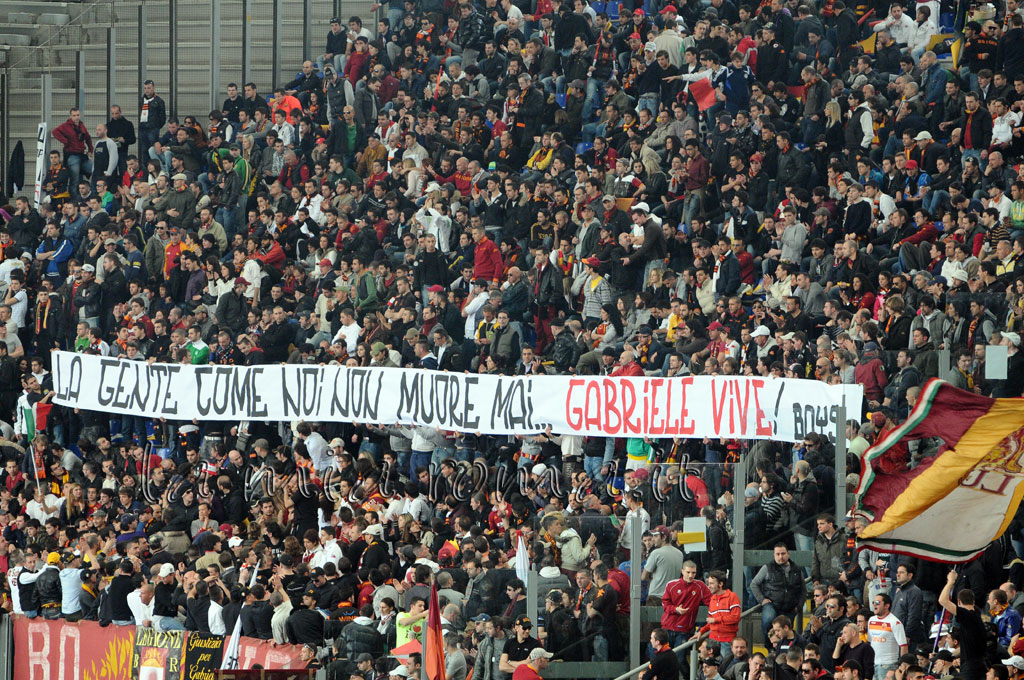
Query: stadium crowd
[[519, 188]]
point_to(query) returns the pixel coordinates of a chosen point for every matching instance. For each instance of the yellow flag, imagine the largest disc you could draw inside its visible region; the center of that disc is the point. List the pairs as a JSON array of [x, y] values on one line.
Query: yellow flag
[[955, 50], [868, 44]]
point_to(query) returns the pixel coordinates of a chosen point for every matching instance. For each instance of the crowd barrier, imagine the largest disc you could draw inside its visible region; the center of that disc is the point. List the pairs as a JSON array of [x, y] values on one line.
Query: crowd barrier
[[57, 650]]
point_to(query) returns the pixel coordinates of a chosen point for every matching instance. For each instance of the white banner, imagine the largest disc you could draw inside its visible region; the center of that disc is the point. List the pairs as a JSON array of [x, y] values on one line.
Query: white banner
[[701, 406], [41, 163]]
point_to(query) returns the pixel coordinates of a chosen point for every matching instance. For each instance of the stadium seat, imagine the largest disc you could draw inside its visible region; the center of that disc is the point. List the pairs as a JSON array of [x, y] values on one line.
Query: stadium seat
[[584, 147], [599, 6], [560, 99]]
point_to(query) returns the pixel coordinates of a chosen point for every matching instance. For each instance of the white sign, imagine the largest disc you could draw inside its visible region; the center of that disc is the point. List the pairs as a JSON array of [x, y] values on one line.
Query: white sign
[[701, 406], [41, 164]]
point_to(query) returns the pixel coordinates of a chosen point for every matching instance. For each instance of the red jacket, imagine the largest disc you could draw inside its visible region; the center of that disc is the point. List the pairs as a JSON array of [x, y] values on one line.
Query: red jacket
[[688, 595], [75, 138], [274, 257], [630, 370], [487, 262], [725, 608]]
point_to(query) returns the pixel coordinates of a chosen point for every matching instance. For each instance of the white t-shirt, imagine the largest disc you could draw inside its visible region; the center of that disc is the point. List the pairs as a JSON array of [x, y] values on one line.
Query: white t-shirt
[[886, 636], [216, 619], [141, 612], [20, 308], [350, 334]]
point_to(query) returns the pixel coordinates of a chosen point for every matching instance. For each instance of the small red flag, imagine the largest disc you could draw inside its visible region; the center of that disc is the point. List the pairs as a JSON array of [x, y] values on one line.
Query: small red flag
[[433, 646], [703, 93]]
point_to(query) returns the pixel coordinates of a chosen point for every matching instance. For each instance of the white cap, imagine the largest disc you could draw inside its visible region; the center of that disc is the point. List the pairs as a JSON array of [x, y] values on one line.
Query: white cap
[[650, 47], [401, 672], [540, 653], [166, 569], [923, 135], [539, 469], [375, 530], [336, 442], [234, 542], [642, 207], [1014, 338], [761, 332], [959, 275]]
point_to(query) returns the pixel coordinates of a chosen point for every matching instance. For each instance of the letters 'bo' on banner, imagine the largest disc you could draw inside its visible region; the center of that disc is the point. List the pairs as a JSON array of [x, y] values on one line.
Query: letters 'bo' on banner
[[692, 406]]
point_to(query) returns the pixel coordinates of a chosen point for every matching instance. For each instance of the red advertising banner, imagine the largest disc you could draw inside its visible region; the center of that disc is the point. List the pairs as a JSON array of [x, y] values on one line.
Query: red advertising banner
[[56, 650]]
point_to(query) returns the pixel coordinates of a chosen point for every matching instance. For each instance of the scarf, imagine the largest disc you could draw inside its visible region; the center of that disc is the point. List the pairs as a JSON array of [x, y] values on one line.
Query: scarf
[[42, 314]]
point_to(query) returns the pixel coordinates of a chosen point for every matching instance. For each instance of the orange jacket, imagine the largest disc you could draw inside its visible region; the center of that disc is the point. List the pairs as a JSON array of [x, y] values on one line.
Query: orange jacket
[[725, 608]]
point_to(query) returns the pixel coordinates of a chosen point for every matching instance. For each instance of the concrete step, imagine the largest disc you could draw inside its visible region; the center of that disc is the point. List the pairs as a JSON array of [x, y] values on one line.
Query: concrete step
[[15, 39]]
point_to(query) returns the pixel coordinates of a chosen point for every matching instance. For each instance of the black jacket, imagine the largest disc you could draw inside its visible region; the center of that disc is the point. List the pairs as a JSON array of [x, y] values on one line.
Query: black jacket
[[48, 586], [305, 625]]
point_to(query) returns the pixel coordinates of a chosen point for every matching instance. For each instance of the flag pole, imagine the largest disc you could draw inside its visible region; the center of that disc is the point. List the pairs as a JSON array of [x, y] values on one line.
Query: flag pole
[[938, 634]]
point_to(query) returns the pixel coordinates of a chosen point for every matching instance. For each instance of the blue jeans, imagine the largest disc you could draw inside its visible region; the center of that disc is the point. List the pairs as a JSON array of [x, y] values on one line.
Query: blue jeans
[[768, 614], [592, 466], [648, 101], [167, 623], [882, 668], [592, 100], [418, 459], [78, 164]]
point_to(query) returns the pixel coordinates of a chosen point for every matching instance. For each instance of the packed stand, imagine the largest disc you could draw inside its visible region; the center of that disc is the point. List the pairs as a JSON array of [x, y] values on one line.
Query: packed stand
[[699, 188]]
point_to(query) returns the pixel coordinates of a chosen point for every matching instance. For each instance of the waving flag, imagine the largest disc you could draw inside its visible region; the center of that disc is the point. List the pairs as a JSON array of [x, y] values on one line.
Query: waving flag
[[433, 652], [522, 558], [230, 660], [954, 504]]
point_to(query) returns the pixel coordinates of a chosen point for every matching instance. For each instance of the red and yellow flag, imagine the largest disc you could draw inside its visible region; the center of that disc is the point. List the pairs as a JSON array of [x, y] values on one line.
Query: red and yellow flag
[[433, 646], [952, 505]]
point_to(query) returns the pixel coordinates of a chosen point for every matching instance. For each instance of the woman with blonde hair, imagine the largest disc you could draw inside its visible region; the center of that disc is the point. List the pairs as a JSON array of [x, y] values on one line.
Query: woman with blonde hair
[[74, 507]]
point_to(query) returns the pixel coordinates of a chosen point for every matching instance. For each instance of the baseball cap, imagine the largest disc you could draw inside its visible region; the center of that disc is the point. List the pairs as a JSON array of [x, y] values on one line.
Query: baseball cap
[[524, 621], [325, 262], [638, 12], [90, 268], [182, 176], [479, 618], [311, 592], [435, 289], [166, 569], [922, 135], [378, 347], [635, 36], [650, 47], [1016, 661], [851, 665], [241, 281], [234, 542], [336, 442], [641, 207], [110, 242], [670, 8], [957, 275], [400, 671], [715, 326], [53, 558], [540, 653], [911, 165], [539, 469], [1014, 338], [374, 530], [761, 332]]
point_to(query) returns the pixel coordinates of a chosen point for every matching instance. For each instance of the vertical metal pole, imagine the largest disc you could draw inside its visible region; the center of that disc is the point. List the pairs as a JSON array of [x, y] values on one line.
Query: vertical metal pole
[[111, 66], [172, 63], [636, 551], [4, 130], [307, 29], [215, 11], [80, 80], [945, 365], [693, 661], [739, 483], [246, 38], [46, 81], [531, 594], [143, 41], [275, 50], [841, 466]]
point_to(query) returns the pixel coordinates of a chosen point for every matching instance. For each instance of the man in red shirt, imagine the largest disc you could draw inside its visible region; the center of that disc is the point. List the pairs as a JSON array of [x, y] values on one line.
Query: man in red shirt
[[487, 262], [683, 597], [536, 662]]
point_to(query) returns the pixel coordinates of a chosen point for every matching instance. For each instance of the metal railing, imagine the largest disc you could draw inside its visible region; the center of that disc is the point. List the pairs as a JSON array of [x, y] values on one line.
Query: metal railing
[[690, 645]]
